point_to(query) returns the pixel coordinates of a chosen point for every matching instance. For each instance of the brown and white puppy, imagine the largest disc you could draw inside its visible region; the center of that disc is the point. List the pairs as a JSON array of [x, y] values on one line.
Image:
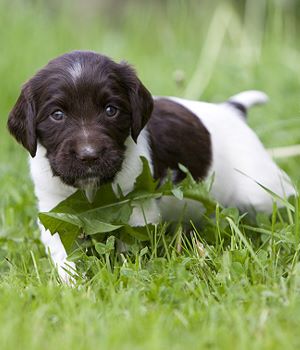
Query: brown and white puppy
[[86, 121]]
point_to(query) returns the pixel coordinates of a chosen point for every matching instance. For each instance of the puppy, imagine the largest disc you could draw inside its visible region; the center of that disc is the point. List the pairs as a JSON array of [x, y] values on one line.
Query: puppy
[[86, 120]]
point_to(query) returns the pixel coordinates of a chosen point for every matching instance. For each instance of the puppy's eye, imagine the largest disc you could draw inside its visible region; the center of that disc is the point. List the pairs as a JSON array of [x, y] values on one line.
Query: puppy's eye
[[57, 116], [111, 111]]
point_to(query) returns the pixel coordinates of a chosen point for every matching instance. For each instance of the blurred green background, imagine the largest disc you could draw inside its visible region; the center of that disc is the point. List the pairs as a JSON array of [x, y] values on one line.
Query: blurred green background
[[205, 50]]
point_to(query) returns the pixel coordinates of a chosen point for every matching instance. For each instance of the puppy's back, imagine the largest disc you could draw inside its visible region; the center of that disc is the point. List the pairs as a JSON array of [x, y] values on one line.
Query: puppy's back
[[237, 159]]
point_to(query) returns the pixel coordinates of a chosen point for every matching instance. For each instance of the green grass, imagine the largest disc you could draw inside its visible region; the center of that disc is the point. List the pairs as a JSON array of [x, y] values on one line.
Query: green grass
[[243, 290]]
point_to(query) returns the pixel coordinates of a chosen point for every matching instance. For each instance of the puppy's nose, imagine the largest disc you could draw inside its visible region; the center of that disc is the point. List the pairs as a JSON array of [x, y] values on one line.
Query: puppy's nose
[[87, 153]]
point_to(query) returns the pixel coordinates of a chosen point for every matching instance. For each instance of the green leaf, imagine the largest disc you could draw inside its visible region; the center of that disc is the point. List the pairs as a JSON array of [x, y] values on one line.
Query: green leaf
[[189, 188], [91, 227], [115, 213], [145, 182], [144, 251], [138, 232], [177, 193], [110, 243], [78, 203], [67, 230], [106, 248], [100, 248]]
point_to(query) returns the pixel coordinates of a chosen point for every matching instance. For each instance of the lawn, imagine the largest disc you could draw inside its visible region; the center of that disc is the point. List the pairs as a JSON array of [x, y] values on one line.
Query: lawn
[[240, 289]]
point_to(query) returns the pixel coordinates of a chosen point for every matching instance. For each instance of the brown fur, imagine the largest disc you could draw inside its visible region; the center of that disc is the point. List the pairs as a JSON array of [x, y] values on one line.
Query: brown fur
[[178, 136]]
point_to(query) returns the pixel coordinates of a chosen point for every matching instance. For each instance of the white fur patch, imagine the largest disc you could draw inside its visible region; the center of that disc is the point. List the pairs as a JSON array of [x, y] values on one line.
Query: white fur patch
[[249, 98], [75, 70], [132, 165], [49, 191]]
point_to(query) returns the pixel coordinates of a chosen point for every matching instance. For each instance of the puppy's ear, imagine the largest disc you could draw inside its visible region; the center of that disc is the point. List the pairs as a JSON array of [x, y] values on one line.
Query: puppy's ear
[[140, 99], [142, 106], [21, 121]]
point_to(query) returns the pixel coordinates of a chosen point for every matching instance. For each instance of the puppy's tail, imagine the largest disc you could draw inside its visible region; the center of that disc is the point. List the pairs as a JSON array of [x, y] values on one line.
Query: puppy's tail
[[246, 99]]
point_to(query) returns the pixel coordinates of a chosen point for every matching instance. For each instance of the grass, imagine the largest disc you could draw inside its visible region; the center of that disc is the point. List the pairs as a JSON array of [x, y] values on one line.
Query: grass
[[241, 291]]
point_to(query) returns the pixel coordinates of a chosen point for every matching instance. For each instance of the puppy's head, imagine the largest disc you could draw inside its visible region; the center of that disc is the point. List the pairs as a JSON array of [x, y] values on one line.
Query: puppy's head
[[81, 107]]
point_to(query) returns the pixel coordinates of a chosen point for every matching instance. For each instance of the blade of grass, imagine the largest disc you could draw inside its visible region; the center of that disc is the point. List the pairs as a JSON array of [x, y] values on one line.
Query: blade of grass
[[210, 52], [236, 230]]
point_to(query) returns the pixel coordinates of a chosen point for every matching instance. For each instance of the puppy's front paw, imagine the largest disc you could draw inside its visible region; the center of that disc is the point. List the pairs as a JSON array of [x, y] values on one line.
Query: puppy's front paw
[[67, 272], [146, 214]]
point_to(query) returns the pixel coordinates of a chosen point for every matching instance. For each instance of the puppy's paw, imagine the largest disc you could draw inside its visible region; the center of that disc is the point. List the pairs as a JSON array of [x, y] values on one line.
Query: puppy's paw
[[67, 272], [146, 214]]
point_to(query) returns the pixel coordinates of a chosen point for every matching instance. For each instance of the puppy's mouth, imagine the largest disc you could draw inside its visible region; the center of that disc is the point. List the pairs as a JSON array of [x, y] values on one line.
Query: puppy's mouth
[[90, 185], [87, 177]]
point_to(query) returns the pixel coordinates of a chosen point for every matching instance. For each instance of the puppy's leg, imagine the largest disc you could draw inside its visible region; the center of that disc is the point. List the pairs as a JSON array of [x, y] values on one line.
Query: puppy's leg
[[50, 191], [53, 245], [147, 213]]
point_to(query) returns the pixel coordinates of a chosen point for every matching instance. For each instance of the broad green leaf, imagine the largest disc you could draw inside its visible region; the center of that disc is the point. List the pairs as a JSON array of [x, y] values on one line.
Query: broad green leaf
[[60, 218], [91, 227], [138, 232], [115, 213], [67, 230], [77, 202]]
